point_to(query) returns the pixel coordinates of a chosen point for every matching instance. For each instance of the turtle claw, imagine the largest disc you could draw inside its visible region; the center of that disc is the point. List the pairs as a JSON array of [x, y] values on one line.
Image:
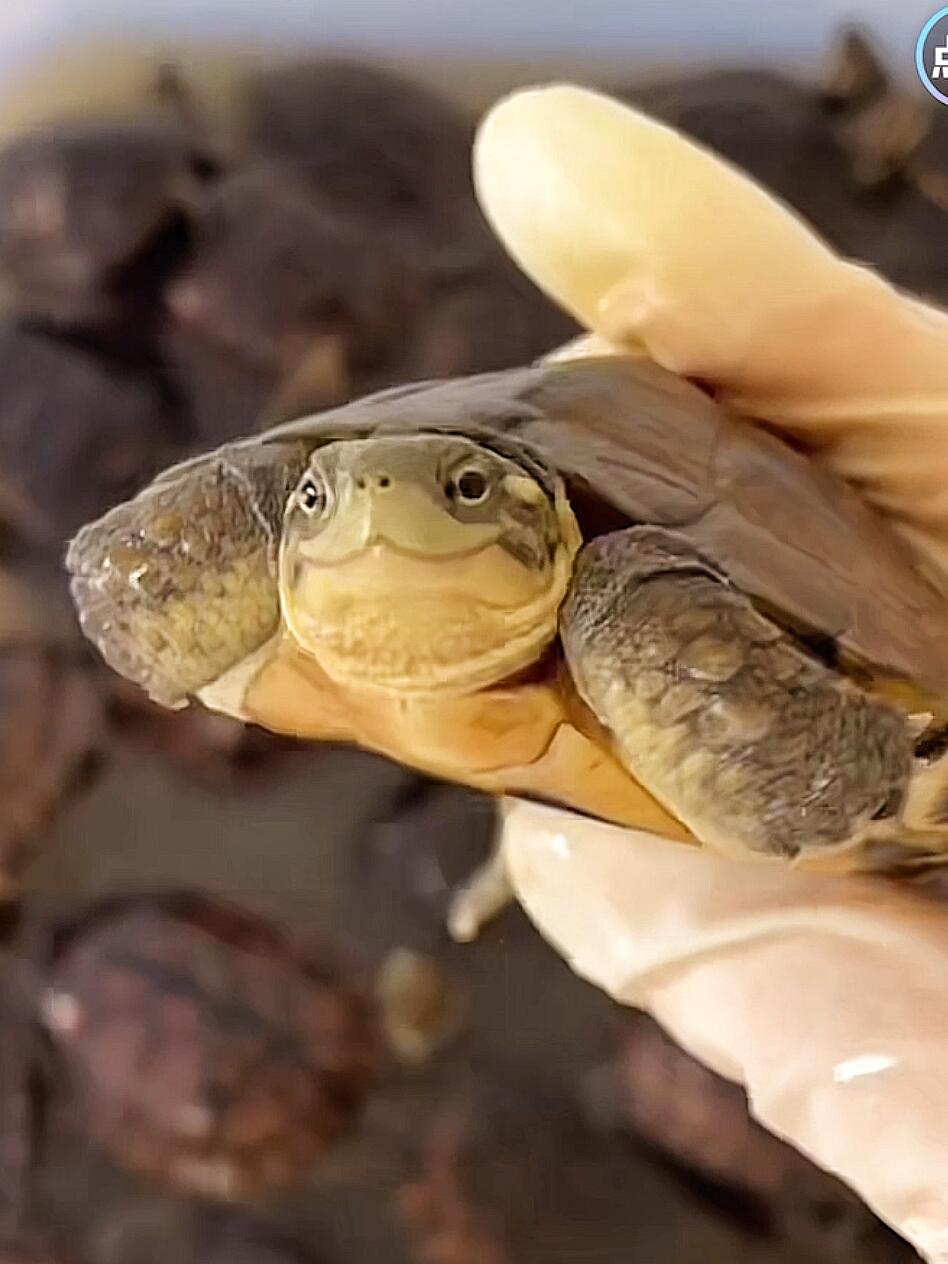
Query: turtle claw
[[485, 895]]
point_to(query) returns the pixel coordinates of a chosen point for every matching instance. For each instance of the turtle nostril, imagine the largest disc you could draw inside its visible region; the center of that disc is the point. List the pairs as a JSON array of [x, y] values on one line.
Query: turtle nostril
[[360, 483], [384, 480]]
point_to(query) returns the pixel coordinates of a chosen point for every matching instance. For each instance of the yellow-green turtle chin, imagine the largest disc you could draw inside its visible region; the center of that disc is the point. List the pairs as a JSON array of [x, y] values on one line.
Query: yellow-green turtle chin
[[423, 563]]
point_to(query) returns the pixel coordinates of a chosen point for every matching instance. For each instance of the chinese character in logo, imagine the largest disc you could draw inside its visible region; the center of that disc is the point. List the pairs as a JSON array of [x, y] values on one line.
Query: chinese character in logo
[[931, 55]]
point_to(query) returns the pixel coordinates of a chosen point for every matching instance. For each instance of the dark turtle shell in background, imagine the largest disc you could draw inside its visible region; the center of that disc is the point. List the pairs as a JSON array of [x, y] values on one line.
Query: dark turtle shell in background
[[207, 1048]]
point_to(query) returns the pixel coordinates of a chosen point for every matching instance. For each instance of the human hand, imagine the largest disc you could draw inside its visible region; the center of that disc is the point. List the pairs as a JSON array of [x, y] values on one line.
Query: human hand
[[827, 997]]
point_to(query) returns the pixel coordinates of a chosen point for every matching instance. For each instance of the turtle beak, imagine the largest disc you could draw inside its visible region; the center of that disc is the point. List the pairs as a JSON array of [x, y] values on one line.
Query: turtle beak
[[381, 511]]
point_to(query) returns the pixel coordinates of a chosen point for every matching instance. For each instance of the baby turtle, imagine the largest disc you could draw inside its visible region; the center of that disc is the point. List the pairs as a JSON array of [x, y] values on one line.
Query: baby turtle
[[80, 202], [860, 156], [273, 269], [208, 1048], [285, 306], [573, 580], [373, 144], [202, 1046]]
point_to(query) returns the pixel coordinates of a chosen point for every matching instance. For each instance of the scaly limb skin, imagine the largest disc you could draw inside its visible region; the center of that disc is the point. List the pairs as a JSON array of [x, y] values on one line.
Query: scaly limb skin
[[754, 743], [485, 895], [177, 586]]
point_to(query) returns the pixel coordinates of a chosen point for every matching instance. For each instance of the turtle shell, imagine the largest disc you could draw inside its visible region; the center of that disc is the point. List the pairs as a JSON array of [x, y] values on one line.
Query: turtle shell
[[637, 444], [212, 1050], [179, 585]]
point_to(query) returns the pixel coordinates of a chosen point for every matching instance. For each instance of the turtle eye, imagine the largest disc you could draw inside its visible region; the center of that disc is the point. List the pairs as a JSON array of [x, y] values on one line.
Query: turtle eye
[[470, 486], [311, 497]]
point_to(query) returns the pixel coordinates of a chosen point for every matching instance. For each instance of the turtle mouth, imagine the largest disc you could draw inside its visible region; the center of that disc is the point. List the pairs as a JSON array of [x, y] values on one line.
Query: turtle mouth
[[316, 591], [392, 619], [377, 549]]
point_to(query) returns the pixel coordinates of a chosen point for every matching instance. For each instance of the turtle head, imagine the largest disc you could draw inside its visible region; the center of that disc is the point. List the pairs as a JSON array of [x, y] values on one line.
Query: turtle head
[[425, 562]]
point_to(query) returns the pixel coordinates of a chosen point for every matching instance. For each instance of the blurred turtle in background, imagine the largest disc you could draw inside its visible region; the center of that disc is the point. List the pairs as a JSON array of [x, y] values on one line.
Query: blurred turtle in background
[[275, 275], [892, 138], [863, 159], [202, 1046], [394, 157], [373, 145], [329, 243], [206, 1047], [81, 205]]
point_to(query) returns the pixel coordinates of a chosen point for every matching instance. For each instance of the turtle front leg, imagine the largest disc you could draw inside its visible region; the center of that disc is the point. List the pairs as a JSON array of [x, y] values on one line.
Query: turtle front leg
[[752, 742]]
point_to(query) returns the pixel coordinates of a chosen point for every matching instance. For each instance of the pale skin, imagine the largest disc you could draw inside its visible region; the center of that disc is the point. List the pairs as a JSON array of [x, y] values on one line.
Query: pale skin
[[826, 997]]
